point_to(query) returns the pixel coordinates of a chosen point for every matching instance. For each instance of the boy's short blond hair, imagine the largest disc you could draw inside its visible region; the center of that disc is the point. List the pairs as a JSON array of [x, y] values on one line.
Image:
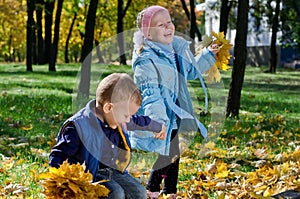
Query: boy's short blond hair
[[117, 87]]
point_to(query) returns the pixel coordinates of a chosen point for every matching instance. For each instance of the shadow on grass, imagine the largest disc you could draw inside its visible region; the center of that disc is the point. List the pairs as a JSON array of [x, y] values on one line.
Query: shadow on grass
[[271, 87], [63, 73]]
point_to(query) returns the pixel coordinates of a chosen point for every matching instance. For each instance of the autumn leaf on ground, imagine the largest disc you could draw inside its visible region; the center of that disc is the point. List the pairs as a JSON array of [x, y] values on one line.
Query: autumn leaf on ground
[[218, 169], [39, 152], [295, 155], [7, 163], [222, 171], [210, 149], [136, 170], [13, 190], [27, 127], [71, 181], [261, 153]]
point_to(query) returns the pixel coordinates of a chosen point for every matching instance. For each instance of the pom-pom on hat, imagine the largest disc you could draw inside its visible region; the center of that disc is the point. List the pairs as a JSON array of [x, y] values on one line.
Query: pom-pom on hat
[[148, 13]]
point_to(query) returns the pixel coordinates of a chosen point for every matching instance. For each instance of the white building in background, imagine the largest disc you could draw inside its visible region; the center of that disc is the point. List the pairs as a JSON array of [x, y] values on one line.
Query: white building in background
[[258, 39]]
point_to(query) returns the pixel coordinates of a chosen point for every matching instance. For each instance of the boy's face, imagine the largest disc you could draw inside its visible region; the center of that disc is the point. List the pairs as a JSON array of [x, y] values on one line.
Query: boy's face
[[120, 113], [162, 28]]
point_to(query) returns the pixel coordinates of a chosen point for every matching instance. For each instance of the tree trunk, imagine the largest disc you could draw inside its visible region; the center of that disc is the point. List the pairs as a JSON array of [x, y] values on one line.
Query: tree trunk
[[120, 34], [186, 10], [193, 24], [34, 49], [120, 30], [49, 6], [187, 13], [86, 58], [224, 15], [39, 27], [69, 37], [29, 31], [98, 51], [89, 30], [239, 64], [9, 44], [54, 46], [273, 50]]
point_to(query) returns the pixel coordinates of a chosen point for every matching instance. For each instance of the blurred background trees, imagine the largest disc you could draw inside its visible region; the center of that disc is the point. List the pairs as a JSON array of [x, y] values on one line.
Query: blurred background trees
[[56, 31], [60, 25]]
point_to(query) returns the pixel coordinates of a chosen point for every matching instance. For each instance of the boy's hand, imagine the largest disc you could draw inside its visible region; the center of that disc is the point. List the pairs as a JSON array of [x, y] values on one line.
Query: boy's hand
[[162, 134]]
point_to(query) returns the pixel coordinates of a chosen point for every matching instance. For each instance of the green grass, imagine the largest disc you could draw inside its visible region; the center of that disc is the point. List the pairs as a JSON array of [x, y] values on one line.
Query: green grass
[[269, 102], [35, 104], [33, 107], [272, 93]]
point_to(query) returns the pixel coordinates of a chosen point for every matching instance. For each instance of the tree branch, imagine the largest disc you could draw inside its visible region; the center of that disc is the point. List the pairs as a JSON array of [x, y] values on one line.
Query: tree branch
[[126, 8]]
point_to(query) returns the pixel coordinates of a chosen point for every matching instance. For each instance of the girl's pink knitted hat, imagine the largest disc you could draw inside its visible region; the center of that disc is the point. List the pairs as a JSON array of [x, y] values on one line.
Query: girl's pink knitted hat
[[148, 13]]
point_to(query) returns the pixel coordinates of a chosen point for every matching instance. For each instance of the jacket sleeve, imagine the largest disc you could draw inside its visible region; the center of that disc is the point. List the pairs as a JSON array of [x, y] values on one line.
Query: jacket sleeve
[[66, 147], [205, 60], [146, 78], [144, 123]]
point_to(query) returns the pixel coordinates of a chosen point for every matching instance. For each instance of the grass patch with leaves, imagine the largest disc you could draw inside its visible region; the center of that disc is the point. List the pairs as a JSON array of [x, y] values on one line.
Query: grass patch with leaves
[[263, 141]]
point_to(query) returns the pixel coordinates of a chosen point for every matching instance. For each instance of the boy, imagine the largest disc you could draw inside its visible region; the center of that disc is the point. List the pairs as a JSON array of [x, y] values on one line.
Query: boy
[[95, 135]]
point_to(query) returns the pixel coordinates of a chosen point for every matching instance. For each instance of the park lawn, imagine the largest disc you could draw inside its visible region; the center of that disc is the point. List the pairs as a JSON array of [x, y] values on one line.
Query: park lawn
[[264, 142]]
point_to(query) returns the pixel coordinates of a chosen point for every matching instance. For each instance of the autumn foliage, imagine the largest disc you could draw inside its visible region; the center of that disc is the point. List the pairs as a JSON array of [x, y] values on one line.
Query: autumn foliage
[[227, 180], [71, 181], [222, 57]]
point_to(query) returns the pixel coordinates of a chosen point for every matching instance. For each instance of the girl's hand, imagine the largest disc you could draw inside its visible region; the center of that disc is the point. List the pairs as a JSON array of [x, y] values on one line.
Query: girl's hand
[[214, 48], [162, 134]]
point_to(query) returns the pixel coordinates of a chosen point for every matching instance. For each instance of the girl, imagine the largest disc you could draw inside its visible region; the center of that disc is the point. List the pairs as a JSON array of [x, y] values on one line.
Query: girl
[[162, 63]]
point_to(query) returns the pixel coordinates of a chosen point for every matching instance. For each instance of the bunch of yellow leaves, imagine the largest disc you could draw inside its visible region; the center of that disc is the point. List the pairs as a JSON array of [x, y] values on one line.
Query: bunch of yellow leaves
[[222, 57], [71, 181]]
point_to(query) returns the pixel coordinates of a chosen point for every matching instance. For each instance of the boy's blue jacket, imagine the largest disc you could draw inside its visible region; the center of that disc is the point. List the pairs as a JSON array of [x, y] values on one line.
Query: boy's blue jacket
[[86, 143], [165, 94], [83, 138]]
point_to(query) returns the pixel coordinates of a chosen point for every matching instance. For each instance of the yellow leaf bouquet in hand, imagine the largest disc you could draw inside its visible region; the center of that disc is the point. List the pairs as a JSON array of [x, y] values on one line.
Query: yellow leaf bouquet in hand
[[71, 181], [222, 56]]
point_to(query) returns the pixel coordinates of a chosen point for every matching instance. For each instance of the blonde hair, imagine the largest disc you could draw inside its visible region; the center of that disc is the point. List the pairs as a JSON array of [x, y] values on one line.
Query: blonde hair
[[139, 19], [138, 37], [117, 87]]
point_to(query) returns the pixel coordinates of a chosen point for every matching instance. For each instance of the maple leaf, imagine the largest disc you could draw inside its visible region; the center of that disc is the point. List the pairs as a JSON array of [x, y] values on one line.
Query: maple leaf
[[222, 57], [205, 42], [213, 73], [222, 171], [27, 127], [71, 181], [15, 189], [261, 153], [295, 155]]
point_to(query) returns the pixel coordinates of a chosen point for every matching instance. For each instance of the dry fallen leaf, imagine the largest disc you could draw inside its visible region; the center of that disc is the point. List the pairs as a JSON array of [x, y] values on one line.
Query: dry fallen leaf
[[14, 190], [261, 153], [71, 181]]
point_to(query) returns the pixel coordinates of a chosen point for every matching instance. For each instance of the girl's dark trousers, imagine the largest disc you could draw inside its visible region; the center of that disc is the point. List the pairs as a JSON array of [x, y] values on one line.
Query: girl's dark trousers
[[166, 167]]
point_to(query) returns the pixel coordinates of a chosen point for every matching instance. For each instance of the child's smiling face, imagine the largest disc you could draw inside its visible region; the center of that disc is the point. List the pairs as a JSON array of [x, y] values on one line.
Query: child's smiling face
[[162, 28]]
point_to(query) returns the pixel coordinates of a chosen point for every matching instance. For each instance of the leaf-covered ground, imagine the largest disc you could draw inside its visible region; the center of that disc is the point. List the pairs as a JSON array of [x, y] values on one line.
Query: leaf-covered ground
[[254, 162], [255, 156]]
